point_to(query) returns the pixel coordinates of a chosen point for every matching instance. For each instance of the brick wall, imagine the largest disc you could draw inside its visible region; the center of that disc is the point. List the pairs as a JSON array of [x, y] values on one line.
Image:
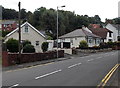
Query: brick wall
[[9, 59]]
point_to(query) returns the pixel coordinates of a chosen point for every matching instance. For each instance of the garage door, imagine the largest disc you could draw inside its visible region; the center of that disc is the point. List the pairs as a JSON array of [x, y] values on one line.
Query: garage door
[[66, 44]]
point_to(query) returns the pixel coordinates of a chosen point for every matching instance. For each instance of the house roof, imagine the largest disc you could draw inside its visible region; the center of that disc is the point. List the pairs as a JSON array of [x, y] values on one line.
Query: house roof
[[117, 26], [102, 32], [78, 33], [94, 25], [24, 25]]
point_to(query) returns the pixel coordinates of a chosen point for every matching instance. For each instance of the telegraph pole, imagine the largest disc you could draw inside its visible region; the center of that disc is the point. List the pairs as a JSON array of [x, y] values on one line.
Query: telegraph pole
[[57, 32], [19, 15]]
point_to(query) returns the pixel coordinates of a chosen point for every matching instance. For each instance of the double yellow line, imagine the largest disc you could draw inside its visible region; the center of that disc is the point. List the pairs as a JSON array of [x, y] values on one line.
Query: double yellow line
[[108, 76], [28, 67]]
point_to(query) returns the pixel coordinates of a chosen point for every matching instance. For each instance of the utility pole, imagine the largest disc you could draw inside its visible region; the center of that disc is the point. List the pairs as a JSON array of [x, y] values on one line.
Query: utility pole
[[19, 15], [57, 32]]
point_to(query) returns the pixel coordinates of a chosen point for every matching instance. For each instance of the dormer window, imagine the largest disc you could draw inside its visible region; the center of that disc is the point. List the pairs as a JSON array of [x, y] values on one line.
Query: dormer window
[[26, 28]]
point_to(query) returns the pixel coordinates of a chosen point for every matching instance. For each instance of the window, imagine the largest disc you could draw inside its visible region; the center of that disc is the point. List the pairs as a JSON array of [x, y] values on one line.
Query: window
[[4, 25], [26, 28], [90, 41], [37, 43], [110, 40], [75, 38], [71, 40], [110, 34], [98, 41], [22, 41], [95, 41]]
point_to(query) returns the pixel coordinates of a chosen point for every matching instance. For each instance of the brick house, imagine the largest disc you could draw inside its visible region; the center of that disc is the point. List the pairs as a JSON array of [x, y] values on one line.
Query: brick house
[[8, 25]]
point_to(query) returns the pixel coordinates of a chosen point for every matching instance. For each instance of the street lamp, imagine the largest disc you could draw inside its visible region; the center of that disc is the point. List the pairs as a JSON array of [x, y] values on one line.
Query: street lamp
[[57, 26]]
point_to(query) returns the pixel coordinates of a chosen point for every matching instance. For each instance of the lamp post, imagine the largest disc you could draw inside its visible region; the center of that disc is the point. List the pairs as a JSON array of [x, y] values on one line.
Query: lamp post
[[57, 26]]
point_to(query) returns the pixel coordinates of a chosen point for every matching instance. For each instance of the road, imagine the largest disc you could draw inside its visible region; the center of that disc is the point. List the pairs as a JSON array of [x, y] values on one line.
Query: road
[[78, 71]]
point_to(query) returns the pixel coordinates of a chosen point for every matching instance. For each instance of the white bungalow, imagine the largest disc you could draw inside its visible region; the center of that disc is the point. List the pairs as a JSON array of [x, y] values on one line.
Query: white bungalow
[[72, 39]]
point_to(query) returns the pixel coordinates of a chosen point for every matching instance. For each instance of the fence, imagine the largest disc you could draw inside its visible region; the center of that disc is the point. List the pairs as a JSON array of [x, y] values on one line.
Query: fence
[[9, 59]]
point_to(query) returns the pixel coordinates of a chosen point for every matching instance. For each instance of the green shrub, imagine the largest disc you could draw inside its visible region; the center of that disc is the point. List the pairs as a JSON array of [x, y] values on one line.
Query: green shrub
[[103, 45], [12, 45], [28, 48], [44, 46], [118, 43], [83, 44], [26, 42], [110, 44], [96, 47]]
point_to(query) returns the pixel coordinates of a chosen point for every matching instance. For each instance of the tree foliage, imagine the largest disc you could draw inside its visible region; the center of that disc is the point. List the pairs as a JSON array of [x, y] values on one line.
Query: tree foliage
[[12, 45], [46, 19], [28, 48], [9, 13], [44, 46], [4, 33], [26, 42], [83, 44]]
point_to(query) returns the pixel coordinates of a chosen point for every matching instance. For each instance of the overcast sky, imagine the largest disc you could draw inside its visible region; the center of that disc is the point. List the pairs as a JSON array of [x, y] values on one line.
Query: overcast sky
[[103, 8]]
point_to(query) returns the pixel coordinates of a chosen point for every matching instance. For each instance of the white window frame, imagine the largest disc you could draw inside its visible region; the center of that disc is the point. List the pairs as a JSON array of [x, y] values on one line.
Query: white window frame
[[37, 43], [25, 29]]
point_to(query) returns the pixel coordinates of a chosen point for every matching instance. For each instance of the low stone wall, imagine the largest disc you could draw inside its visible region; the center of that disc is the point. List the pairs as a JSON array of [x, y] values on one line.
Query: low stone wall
[[116, 48], [93, 51], [9, 59], [67, 51]]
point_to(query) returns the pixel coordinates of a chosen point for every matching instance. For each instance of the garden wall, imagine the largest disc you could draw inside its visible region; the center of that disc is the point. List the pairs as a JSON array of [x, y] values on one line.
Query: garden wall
[[93, 51], [9, 59]]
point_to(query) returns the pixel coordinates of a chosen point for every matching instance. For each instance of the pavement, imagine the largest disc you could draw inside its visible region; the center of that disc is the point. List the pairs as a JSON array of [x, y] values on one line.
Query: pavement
[[87, 71], [31, 64]]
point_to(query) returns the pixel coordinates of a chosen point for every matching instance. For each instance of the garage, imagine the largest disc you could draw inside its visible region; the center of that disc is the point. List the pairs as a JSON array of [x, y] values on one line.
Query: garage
[[66, 44]]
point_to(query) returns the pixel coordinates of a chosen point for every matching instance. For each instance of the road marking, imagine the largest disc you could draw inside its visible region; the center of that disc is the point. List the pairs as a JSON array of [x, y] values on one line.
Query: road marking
[[74, 65], [91, 55], [14, 86], [90, 60], [47, 74], [107, 55], [108, 76], [113, 54], [98, 57], [28, 67]]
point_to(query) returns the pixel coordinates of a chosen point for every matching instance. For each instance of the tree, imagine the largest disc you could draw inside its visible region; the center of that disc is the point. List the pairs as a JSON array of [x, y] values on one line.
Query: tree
[[12, 45], [23, 14], [9, 13], [49, 38], [4, 33], [45, 19], [116, 20], [28, 48], [97, 19], [44, 46]]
